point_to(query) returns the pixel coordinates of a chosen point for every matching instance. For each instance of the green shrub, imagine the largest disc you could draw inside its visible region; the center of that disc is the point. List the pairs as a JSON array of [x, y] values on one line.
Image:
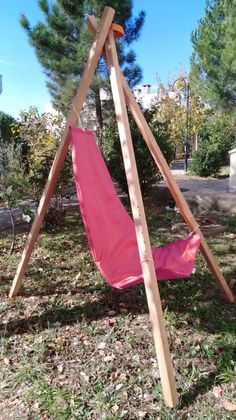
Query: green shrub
[[147, 169], [216, 139], [26, 157], [38, 138], [206, 160], [221, 132]]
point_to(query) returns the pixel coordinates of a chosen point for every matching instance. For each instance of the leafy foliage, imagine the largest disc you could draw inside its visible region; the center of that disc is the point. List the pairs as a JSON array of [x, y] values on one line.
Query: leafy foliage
[[171, 115], [206, 160], [25, 164], [213, 70], [147, 169], [6, 122], [170, 110], [62, 42], [38, 137], [216, 139], [13, 185]]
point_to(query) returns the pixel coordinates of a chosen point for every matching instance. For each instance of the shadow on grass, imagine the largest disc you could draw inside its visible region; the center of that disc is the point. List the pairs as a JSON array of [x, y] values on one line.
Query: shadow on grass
[[207, 312], [196, 300], [200, 388], [201, 304], [108, 299]]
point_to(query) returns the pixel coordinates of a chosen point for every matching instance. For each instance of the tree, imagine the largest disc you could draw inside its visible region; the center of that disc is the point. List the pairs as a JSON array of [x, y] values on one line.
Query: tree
[[38, 136], [62, 43], [170, 111], [6, 135], [216, 138], [13, 184], [171, 116], [6, 122], [25, 163], [213, 63], [147, 169]]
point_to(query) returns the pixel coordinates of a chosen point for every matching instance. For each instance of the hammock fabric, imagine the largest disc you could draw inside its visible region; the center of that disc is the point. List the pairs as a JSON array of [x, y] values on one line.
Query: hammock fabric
[[110, 229]]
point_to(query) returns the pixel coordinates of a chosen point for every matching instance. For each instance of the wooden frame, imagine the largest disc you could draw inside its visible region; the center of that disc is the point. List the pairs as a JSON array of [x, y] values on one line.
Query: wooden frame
[[104, 43]]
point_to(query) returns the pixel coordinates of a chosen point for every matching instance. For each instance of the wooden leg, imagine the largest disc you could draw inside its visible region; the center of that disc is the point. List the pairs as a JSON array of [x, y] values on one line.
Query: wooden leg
[[145, 252], [82, 91]]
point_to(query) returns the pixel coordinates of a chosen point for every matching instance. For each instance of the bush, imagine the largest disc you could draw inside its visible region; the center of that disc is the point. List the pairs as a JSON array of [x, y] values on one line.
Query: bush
[[216, 139], [13, 185], [221, 131], [26, 159], [206, 160], [37, 136], [6, 122], [147, 169]]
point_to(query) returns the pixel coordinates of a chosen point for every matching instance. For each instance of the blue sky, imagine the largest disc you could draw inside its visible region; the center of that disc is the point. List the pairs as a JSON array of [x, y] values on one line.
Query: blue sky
[[164, 48]]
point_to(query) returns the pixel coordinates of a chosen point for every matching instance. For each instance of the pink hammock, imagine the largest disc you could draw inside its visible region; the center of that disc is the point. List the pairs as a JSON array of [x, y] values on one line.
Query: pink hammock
[[110, 229]]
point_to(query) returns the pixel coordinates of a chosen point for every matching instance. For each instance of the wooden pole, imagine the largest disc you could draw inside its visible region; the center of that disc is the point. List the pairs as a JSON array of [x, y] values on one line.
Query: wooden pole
[[94, 55], [145, 252], [169, 178]]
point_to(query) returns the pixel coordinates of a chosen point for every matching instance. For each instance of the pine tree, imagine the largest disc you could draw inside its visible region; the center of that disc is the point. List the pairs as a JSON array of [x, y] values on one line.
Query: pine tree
[[62, 43], [213, 71]]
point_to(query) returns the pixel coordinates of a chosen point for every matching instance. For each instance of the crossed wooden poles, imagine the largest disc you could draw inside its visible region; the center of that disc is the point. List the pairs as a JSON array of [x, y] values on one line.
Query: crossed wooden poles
[[104, 43]]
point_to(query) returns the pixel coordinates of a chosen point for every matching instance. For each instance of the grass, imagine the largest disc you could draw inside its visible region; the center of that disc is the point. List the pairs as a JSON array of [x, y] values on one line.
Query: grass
[[74, 348]]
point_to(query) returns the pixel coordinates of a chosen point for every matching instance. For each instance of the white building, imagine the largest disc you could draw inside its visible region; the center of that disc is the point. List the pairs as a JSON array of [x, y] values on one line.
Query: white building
[[145, 97]]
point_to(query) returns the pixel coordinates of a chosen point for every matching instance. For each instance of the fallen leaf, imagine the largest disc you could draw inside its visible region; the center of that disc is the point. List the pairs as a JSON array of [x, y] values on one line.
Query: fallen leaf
[[124, 310], [142, 414], [101, 345], [84, 376], [123, 376], [110, 389], [114, 375], [60, 368], [56, 324], [155, 408], [115, 408], [217, 391], [109, 358], [111, 313], [228, 406]]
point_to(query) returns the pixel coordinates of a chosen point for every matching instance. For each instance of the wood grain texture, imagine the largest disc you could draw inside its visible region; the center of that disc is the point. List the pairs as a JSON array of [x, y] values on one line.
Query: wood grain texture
[[144, 246]]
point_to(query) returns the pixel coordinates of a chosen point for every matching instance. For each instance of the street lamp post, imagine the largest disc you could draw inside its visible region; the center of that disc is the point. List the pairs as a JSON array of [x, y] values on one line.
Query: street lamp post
[[186, 142], [186, 134]]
